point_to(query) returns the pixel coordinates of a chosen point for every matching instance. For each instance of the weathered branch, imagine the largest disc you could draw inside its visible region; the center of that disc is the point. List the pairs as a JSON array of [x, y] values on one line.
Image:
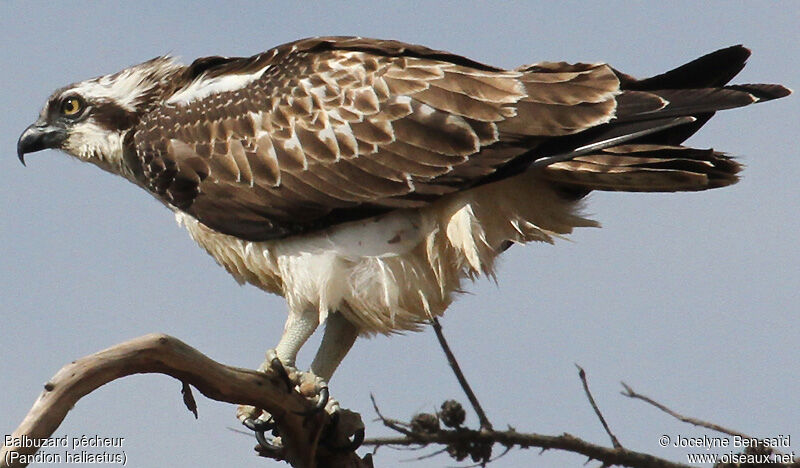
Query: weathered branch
[[759, 448], [462, 380], [461, 443], [582, 375], [608, 456], [300, 435], [158, 353], [689, 420]]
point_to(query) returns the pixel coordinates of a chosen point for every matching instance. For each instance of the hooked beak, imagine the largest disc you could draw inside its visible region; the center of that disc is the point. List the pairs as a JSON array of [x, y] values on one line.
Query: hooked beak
[[39, 136]]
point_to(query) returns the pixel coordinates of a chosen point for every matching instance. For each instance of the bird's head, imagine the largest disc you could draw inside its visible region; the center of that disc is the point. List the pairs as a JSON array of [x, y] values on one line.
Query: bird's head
[[92, 119]]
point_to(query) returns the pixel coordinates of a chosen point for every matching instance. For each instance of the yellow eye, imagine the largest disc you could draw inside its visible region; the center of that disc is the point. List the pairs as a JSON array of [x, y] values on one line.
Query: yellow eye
[[72, 106]]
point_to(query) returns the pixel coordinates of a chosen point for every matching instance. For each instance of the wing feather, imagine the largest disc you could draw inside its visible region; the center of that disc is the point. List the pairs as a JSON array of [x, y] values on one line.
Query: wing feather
[[331, 129]]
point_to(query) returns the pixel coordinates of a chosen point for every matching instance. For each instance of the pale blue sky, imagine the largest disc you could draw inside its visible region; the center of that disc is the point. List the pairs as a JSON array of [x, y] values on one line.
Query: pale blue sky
[[690, 298]]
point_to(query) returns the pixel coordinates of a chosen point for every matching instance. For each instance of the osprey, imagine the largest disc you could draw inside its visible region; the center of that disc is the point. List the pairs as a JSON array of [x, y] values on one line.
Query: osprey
[[364, 179]]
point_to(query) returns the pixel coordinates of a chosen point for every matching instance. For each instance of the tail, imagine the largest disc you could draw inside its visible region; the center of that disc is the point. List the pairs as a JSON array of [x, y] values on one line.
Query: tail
[[640, 149]]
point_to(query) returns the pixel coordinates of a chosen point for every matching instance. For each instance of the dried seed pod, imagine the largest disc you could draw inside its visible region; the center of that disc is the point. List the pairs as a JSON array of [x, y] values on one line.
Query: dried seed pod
[[425, 423], [452, 414]]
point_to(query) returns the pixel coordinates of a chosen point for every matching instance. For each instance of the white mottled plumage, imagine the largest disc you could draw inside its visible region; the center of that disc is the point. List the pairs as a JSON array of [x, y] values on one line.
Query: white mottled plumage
[[96, 145], [126, 87], [202, 88], [395, 271]]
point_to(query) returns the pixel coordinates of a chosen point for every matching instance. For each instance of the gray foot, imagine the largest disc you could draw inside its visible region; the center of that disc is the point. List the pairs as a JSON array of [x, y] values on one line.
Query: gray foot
[[306, 383]]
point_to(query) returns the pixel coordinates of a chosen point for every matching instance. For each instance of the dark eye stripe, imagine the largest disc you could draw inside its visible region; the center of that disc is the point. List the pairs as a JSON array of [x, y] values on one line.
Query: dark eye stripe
[[112, 116]]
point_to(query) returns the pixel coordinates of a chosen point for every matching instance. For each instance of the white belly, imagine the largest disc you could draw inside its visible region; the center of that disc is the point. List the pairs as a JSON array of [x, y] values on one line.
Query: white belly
[[392, 272]]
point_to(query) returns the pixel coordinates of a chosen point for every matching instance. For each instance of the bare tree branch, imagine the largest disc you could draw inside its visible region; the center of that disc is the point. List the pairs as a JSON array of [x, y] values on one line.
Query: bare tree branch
[[451, 359], [582, 375], [462, 442], [300, 435], [606, 455], [689, 420], [158, 353], [392, 424], [761, 448]]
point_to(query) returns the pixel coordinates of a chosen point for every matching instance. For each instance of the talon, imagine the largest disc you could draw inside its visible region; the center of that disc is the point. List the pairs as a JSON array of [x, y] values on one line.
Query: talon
[[352, 445], [259, 426], [276, 364], [265, 445], [324, 396]]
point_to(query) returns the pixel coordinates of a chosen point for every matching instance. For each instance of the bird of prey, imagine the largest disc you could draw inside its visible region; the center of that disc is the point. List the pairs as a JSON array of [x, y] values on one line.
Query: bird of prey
[[364, 180]]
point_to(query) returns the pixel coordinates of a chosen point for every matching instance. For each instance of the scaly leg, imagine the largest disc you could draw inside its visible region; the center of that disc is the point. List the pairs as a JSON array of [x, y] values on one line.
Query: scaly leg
[[298, 328], [339, 337], [296, 332]]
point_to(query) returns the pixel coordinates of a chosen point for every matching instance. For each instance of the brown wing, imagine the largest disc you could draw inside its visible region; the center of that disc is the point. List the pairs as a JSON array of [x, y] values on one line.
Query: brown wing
[[334, 129]]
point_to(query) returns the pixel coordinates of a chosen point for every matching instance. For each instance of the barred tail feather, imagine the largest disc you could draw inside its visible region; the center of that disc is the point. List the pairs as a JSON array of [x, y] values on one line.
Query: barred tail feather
[[640, 150], [645, 168]]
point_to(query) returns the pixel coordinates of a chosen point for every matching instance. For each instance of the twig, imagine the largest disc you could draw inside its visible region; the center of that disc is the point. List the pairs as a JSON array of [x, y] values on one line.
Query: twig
[[582, 375], [451, 359], [630, 393], [428, 455], [689, 420], [188, 399], [390, 423]]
